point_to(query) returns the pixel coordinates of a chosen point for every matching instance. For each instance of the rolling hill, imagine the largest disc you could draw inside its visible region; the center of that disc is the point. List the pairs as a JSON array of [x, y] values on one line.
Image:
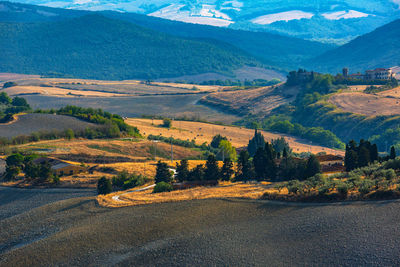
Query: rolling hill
[[336, 21], [93, 46], [379, 48], [272, 49]]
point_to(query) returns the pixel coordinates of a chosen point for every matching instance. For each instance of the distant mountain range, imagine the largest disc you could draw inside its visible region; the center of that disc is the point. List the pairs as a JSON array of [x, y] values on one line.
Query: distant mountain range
[[118, 45], [380, 48], [336, 21]]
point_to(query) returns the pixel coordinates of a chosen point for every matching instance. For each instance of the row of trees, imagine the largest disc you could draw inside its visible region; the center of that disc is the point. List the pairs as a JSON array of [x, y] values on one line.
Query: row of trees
[[266, 166], [363, 154], [208, 172]]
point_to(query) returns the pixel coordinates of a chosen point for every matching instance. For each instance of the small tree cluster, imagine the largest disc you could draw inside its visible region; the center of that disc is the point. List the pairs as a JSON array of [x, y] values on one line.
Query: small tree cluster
[[360, 155], [37, 173]]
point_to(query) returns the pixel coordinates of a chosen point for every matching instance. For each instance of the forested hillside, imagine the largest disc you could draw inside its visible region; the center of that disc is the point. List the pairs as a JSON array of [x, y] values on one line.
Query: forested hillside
[[379, 48], [274, 50], [94, 46]]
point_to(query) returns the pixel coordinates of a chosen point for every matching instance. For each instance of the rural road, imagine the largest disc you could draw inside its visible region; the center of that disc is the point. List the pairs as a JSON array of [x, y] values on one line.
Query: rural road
[[116, 197]]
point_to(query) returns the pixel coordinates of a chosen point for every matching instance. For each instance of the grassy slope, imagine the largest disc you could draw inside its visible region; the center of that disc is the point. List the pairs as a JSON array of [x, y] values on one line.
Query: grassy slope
[[207, 232], [94, 46]]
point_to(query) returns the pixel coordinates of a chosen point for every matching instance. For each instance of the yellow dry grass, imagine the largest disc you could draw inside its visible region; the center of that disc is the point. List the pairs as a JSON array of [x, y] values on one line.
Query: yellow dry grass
[[367, 104], [56, 91], [63, 81], [204, 132], [136, 149], [223, 190]]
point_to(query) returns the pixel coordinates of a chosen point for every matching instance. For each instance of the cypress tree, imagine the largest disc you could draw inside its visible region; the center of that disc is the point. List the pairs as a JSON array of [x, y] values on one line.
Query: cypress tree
[[256, 142], [260, 162], [363, 156], [162, 173], [227, 170], [244, 167], [182, 170], [392, 153], [374, 153], [313, 167], [212, 169]]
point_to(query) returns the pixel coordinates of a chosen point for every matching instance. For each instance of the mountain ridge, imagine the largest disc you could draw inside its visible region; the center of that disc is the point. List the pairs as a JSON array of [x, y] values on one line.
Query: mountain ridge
[[336, 21], [277, 51], [120, 50], [377, 49]]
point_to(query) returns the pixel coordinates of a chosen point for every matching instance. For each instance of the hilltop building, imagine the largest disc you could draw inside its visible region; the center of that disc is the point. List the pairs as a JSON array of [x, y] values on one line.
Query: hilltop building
[[376, 74]]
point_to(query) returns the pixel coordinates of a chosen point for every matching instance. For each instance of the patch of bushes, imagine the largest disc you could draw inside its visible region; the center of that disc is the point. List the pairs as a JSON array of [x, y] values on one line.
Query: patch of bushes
[[126, 180], [104, 186], [162, 187]]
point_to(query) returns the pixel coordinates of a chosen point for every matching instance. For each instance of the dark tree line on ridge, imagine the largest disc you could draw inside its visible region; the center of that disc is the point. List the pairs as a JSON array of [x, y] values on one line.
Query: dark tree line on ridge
[[363, 154]]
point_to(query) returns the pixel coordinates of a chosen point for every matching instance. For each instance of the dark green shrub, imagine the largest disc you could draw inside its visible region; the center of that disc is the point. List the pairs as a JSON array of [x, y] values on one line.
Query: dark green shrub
[[104, 186], [366, 186], [342, 188], [162, 187], [294, 187], [167, 123]]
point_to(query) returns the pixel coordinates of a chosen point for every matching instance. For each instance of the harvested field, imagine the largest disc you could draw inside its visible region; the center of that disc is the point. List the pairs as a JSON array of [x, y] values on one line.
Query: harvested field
[[14, 201], [56, 91], [367, 104], [160, 105], [259, 101], [30, 123], [82, 87], [204, 132], [244, 73], [224, 189], [212, 232], [15, 76]]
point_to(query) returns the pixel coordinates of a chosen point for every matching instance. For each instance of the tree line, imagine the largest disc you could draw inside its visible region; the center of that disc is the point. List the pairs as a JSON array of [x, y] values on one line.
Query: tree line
[[364, 153]]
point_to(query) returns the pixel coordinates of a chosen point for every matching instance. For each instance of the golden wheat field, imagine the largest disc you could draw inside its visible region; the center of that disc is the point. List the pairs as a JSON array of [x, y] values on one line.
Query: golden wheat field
[[384, 103], [134, 149], [204, 132]]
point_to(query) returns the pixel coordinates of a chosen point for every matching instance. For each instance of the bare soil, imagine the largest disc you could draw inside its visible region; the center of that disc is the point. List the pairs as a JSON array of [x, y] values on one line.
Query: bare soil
[[30, 123], [213, 232]]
